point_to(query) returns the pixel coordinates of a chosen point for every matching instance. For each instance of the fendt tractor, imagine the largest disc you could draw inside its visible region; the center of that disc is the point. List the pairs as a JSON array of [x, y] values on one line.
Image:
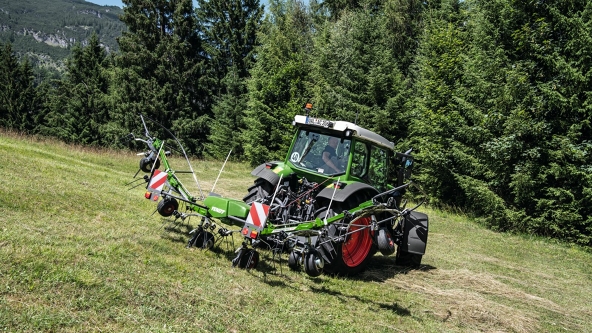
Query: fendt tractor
[[336, 199]]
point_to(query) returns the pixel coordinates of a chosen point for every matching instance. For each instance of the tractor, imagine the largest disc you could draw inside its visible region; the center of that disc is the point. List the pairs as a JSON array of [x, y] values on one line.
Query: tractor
[[336, 200]]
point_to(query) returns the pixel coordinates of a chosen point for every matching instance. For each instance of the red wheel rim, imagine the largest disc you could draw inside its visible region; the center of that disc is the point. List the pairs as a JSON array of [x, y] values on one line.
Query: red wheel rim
[[358, 244]]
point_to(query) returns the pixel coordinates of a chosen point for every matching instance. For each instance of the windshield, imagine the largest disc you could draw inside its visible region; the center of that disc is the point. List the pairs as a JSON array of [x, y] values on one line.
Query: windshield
[[320, 153]]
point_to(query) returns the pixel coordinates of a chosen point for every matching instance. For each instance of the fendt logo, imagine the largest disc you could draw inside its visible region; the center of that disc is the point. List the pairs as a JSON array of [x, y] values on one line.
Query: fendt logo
[[218, 210]]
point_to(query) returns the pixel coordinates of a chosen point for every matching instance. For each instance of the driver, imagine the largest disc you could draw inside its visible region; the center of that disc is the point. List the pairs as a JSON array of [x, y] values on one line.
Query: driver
[[329, 152]]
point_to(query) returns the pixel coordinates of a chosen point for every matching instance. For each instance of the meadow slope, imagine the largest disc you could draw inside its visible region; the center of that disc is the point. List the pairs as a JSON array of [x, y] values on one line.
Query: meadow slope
[[80, 252]]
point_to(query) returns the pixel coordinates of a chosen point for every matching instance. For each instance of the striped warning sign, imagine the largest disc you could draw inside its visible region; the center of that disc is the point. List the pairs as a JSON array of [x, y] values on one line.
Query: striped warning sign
[[258, 215], [256, 220], [157, 181]]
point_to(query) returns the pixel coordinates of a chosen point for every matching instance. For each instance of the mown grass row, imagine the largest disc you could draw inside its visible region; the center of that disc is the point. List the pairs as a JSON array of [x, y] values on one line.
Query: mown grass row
[[81, 252]]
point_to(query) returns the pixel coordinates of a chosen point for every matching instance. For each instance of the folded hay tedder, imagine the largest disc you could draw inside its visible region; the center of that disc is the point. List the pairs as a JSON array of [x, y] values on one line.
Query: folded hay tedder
[[329, 206]]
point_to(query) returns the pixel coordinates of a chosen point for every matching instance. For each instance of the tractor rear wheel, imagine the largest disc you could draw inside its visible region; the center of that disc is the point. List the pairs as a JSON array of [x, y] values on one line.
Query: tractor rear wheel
[[259, 190], [352, 253]]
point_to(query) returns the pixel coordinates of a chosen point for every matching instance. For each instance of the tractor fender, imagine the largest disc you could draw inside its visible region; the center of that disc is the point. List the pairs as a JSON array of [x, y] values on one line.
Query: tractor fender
[[342, 194], [415, 233], [263, 172]]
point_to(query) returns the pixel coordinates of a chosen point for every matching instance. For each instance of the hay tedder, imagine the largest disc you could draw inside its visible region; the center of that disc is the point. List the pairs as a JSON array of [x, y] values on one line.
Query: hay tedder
[[329, 206]]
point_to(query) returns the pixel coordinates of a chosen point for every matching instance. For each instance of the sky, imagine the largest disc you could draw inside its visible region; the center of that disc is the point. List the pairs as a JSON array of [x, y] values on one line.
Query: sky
[[119, 3]]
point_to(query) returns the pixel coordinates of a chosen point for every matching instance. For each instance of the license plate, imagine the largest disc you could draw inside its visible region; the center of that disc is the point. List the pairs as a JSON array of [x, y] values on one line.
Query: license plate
[[319, 122]]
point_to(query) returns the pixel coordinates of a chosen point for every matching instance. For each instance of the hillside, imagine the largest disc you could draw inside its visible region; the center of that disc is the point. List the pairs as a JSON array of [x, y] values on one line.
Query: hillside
[[45, 30], [80, 252]]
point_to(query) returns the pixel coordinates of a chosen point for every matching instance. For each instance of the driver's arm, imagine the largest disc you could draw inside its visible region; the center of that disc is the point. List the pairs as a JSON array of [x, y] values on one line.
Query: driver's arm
[[329, 162]]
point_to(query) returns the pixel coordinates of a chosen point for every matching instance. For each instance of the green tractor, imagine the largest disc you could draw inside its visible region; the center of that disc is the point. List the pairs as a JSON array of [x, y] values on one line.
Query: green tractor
[[335, 201], [349, 165]]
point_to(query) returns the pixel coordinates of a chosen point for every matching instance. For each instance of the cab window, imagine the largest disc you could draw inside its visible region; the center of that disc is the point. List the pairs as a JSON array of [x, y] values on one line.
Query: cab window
[[360, 157], [378, 170]]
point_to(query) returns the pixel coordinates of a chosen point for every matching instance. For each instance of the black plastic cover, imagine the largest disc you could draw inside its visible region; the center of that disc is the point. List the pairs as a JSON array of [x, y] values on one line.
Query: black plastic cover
[[415, 235]]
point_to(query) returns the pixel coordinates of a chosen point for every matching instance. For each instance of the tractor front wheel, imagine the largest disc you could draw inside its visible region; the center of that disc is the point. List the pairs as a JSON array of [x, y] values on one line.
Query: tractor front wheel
[[259, 190]]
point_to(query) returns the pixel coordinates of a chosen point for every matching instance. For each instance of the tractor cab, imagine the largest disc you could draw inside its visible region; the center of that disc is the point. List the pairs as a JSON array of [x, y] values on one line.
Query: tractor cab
[[341, 150]]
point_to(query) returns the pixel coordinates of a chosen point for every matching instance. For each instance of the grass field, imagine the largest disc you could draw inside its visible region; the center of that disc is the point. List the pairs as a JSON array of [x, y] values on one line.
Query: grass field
[[79, 252]]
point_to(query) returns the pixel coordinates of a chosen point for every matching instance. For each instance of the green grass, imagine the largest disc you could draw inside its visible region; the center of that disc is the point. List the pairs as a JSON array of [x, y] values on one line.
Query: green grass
[[79, 252]]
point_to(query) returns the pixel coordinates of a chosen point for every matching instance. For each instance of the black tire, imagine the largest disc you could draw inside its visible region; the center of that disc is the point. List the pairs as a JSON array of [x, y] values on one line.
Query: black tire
[[204, 240], [295, 260], [350, 256], [249, 260], [407, 259], [313, 264], [385, 242], [167, 206], [146, 164], [193, 240], [259, 190], [418, 222]]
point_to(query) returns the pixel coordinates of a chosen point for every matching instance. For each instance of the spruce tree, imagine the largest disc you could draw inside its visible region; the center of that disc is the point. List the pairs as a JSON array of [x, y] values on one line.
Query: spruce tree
[[229, 30], [228, 119], [356, 74], [502, 114], [160, 71], [80, 105], [18, 97], [435, 117], [278, 87], [550, 133]]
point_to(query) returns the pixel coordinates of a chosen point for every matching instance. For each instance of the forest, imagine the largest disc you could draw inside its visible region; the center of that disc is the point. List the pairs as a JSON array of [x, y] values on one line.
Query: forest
[[494, 96]]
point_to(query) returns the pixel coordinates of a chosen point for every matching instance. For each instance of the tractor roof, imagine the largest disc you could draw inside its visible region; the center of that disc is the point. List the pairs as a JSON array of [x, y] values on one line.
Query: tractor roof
[[343, 126]]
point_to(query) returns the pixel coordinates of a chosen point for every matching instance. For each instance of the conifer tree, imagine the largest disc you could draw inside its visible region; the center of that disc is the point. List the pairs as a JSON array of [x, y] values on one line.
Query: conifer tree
[[228, 119], [80, 104], [549, 133], [356, 74], [435, 117], [160, 72], [18, 97], [280, 80], [502, 119], [229, 30]]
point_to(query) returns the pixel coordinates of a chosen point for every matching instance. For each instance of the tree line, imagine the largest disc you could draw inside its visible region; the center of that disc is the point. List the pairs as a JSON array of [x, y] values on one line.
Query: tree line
[[494, 96]]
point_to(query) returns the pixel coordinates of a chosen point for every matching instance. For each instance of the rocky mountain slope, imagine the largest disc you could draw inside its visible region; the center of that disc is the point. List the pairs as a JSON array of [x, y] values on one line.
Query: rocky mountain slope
[[45, 30]]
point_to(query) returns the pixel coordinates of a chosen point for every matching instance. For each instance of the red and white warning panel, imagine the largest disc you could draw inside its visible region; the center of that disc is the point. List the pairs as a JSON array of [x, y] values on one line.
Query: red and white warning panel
[[256, 220], [156, 184]]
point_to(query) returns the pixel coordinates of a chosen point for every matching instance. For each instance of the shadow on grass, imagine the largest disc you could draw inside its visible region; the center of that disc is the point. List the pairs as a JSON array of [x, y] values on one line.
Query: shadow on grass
[[382, 268], [394, 307], [177, 232]]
